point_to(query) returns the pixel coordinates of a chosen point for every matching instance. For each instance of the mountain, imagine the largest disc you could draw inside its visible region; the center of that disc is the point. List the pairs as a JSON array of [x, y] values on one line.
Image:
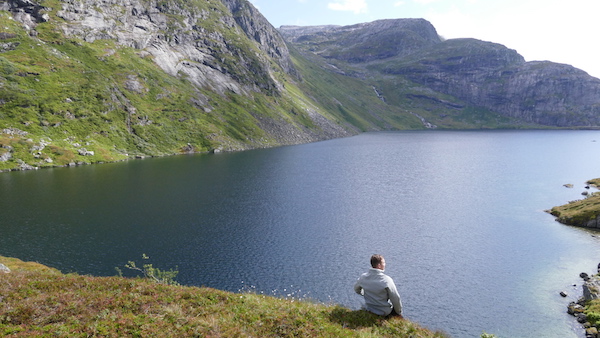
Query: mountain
[[453, 81], [84, 81]]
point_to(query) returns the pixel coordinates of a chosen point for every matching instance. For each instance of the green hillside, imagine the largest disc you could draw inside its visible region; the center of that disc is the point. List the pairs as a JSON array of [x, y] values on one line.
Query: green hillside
[[39, 301], [64, 101]]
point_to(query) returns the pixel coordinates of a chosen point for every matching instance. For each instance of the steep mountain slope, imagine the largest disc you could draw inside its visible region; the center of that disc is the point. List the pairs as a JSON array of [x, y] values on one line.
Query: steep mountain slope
[[450, 83], [85, 81]]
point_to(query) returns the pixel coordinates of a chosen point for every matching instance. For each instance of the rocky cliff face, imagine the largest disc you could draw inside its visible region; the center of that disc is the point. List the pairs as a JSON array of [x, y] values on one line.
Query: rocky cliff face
[[474, 73], [221, 85], [197, 39], [256, 27], [493, 76], [365, 42]]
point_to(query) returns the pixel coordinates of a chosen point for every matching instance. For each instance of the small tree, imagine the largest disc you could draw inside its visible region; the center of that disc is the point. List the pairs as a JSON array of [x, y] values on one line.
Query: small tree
[[150, 272]]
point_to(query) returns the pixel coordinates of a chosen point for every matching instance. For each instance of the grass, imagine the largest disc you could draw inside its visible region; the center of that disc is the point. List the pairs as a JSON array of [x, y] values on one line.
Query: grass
[[40, 301], [592, 311], [579, 212], [118, 104]]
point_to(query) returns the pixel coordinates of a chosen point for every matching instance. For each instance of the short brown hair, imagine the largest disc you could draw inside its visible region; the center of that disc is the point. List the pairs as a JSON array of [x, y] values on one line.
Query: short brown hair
[[376, 260]]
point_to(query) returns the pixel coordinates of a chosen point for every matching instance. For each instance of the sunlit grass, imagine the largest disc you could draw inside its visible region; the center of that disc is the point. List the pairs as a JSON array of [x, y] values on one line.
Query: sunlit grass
[[579, 212], [39, 301]]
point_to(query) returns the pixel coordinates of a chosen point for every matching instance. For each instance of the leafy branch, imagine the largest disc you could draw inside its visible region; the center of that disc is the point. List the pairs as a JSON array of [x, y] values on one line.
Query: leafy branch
[[150, 272]]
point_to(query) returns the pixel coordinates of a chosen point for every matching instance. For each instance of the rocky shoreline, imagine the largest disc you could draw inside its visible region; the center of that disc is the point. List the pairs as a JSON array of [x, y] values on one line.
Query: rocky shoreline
[[590, 291]]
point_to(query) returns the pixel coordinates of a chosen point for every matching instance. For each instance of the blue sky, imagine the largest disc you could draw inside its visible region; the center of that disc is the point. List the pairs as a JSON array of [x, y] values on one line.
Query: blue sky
[[564, 31]]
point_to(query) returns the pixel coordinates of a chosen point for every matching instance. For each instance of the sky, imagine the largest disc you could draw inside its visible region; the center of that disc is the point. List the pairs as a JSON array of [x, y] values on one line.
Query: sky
[[563, 31]]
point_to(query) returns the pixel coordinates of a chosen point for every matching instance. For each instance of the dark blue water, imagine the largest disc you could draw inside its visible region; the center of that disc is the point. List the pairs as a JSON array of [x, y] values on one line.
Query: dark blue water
[[459, 216]]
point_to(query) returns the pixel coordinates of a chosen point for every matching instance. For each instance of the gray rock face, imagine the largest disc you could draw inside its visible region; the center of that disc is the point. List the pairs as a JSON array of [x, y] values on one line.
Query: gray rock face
[[257, 28], [29, 12], [495, 77], [591, 289], [366, 42], [176, 38], [477, 73]]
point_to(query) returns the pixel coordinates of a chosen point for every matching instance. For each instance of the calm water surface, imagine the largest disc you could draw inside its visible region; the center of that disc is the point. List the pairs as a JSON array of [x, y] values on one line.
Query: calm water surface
[[458, 215]]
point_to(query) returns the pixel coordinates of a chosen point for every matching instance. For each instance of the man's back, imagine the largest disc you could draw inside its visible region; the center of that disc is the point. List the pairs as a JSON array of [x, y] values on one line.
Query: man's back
[[378, 288]]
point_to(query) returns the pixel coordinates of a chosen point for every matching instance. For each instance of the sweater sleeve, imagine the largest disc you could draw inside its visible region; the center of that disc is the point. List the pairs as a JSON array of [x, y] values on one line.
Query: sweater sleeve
[[394, 297], [358, 288]]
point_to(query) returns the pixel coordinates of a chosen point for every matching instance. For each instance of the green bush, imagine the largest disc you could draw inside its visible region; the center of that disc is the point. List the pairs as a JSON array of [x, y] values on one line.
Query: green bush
[[152, 273]]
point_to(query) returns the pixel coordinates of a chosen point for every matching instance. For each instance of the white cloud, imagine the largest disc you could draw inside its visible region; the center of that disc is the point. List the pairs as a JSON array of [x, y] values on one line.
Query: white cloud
[[452, 24], [537, 29], [356, 6], [399, 3], [425, 2]]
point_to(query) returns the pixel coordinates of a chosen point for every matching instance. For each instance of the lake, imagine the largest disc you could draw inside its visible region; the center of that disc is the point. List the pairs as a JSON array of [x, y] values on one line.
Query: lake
[[458, 215]]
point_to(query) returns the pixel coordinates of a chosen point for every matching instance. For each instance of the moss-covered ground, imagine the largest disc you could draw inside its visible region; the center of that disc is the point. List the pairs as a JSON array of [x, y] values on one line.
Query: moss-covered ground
[[39, 301]]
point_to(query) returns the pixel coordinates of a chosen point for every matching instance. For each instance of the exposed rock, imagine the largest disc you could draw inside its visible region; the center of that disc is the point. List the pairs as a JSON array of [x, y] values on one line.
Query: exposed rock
[[591, 288], [478, 73], [4, 268], [85, 152], [243, 91], [25, 166], [188, 148], [5, 156], [366, 42], [26, 11], [575, 308], [8, 46], [14, 131], [256, 27], [187, 48]]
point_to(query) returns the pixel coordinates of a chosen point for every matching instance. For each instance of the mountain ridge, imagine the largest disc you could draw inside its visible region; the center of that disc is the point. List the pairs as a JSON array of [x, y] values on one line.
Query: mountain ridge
[[83, 81], [480, 74]]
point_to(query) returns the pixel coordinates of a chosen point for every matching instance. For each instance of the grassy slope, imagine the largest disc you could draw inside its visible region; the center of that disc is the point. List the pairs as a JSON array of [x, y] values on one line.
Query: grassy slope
[[38, 301], [62, 95], [349, 98], [71, 93], [580, 211]]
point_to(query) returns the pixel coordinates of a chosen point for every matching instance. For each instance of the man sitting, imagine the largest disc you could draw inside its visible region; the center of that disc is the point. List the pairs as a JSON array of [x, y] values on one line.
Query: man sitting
[[379, 290]]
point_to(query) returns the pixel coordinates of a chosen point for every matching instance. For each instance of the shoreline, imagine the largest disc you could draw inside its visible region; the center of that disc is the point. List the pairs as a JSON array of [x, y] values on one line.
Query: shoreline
[[581, 309], [584, 213]]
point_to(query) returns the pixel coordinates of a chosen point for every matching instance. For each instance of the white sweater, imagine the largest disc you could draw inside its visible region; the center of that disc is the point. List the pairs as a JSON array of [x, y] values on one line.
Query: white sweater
[[379, 290]]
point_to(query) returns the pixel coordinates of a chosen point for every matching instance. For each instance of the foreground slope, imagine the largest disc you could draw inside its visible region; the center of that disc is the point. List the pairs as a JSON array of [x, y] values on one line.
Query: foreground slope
[[38, 301]]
